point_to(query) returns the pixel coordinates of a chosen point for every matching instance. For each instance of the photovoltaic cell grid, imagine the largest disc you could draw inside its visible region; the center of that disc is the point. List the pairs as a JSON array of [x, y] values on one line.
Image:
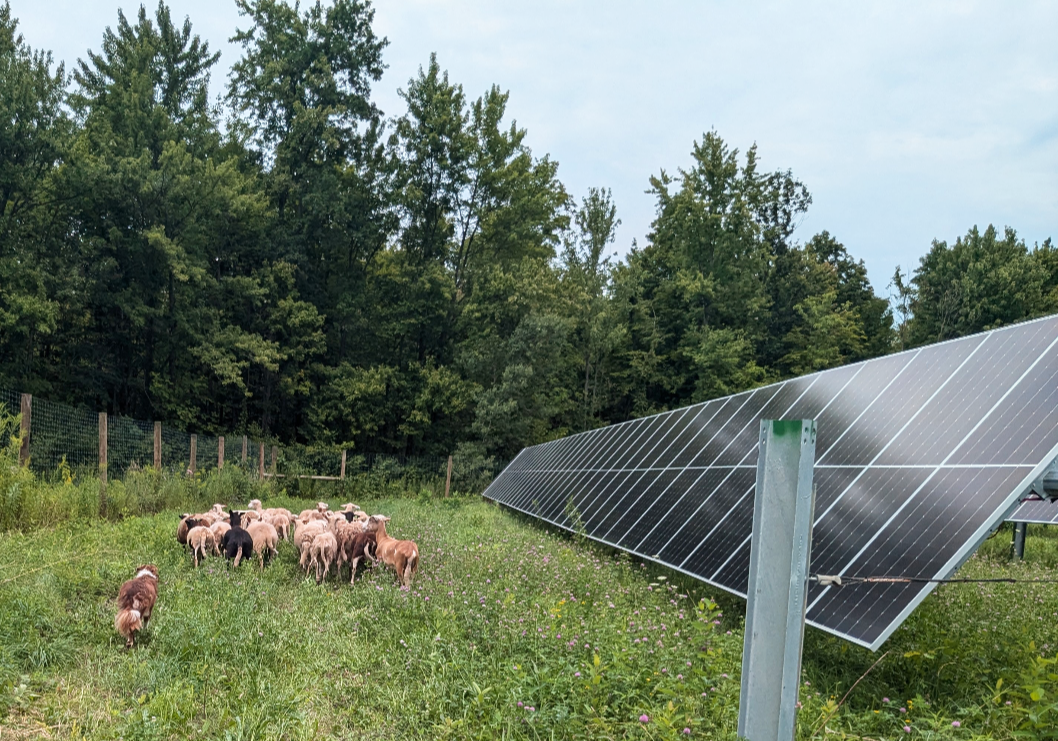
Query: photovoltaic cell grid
[[919, 456]]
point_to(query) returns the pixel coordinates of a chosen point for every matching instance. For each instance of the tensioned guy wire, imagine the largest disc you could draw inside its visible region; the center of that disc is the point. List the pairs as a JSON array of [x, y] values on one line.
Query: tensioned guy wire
[[844, 581]]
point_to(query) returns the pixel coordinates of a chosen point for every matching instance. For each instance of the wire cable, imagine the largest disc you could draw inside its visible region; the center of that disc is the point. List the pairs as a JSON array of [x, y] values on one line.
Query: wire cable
[[826, 580]]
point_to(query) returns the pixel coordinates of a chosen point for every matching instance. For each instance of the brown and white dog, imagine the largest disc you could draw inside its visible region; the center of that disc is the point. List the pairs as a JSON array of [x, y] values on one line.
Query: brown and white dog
[[135, 602]]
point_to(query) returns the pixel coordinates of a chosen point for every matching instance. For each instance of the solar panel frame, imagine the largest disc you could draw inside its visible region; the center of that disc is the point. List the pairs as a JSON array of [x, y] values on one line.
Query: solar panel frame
[[644, 447]]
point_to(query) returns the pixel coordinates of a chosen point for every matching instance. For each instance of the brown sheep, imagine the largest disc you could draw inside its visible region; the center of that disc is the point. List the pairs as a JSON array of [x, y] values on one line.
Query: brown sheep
[[181, 529], [402, 555], [353, 547]]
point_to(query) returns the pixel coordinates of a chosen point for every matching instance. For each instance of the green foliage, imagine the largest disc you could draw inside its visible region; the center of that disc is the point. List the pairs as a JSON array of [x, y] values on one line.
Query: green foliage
[[984, 280]]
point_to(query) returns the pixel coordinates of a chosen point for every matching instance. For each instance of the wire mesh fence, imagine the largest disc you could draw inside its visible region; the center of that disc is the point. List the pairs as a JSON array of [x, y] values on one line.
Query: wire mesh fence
[[62, 434], [131, 444], [9, 401]]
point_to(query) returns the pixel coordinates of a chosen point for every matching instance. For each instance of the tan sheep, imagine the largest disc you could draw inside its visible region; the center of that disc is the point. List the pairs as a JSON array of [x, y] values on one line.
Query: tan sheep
[[303, 540], [218, 529], [280, 522], [324, 551], [200, 538], [264, 538]]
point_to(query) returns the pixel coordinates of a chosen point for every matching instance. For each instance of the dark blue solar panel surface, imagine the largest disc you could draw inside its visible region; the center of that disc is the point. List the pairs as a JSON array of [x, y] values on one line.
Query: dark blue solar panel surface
[[919, 456]]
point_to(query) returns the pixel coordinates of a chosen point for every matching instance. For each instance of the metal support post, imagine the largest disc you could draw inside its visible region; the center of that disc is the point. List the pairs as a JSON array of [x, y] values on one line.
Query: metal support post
[[1021, 529], [780, 550]]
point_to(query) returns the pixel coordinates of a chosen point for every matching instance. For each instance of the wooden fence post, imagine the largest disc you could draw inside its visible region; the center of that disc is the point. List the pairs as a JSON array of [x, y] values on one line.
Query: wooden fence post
[[157, 446], [260, 470], [244, 449], [102, 464], [275, 452], [448, 479], [194, 455], [220, 453], [27, 427], [342, 476]]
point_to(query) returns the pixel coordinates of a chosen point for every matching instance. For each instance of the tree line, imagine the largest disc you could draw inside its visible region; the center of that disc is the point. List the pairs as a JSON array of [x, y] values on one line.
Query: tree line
[[291, 261]]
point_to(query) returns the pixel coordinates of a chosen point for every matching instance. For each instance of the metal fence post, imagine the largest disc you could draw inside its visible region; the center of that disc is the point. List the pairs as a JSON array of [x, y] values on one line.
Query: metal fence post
[[103, 464], [780, 550], [157, 446], [220, 453], [26, 428]]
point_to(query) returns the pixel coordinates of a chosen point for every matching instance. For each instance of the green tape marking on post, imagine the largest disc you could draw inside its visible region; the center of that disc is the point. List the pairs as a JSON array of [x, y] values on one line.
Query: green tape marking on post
[[782, 427]]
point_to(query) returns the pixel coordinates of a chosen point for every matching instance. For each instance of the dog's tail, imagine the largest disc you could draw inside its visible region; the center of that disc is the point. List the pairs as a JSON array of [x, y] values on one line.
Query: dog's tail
[[128, 622], [238, 558]]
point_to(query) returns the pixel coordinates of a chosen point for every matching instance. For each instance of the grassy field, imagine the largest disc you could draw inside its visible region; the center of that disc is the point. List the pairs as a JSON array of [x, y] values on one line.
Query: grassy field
[[510, 631]]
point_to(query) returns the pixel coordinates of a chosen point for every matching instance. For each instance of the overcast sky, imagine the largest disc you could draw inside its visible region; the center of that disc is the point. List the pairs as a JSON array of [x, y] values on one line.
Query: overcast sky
[[908, 121]]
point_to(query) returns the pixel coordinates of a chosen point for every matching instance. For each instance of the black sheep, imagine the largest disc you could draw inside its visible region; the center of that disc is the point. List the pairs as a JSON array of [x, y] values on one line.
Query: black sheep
[[237, 543]]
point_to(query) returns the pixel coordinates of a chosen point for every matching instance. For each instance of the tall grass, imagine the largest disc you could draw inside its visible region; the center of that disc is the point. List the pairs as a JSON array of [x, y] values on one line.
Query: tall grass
[[510, 631]]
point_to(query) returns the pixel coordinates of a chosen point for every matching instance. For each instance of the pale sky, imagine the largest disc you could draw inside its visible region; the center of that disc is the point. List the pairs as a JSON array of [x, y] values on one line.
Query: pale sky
[[908, 121]]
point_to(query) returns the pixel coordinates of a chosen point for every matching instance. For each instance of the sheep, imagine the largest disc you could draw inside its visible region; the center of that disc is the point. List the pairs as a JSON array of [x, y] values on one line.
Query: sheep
[[308, 515], [322, 506], [280, 522], [200, 538], [280, 518], [264, 538], [324, 549], [402, 555], [352, 547], [237, 543], [218, 528], [303, 540], [181, 529]]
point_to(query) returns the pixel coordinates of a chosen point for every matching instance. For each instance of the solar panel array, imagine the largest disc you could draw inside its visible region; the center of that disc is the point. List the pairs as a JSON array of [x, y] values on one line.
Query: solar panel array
[[1036, 511], [919, 456]]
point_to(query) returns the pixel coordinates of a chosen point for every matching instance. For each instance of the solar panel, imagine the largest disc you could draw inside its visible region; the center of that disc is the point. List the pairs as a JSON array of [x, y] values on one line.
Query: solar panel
[[1036, 511], [919, 456]]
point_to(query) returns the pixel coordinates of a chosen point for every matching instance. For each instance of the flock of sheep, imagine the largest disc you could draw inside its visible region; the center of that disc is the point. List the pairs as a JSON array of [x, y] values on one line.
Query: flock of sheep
[[324, 538]]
